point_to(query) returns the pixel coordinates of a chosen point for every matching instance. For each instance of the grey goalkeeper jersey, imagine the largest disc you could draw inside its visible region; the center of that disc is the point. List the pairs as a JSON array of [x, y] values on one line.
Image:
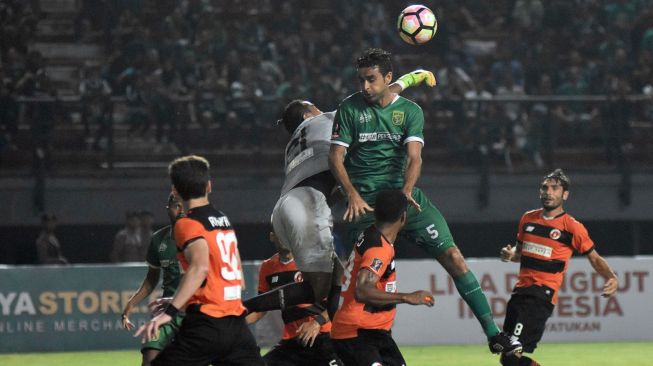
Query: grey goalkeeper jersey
[[307, 153]]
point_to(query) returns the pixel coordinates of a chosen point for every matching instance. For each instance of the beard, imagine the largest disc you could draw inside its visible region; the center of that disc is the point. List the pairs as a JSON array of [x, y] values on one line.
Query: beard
[[552, 205]]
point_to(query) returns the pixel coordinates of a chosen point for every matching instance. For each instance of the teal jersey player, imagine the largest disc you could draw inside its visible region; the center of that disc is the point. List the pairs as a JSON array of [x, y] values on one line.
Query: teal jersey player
[[161, 258], [376, 145], [375, 137], [162, 253]]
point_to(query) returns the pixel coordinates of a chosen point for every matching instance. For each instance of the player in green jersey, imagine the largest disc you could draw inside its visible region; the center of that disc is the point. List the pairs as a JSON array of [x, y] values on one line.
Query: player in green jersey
[[161, 257], [377, 144]]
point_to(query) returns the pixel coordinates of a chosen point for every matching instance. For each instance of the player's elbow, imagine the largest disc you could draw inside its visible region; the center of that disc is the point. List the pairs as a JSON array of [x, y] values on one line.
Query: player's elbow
[[361, 295]]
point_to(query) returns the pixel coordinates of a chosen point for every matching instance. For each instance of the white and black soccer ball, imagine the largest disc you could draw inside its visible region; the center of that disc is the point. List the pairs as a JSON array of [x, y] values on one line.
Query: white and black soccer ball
[[417, 24]]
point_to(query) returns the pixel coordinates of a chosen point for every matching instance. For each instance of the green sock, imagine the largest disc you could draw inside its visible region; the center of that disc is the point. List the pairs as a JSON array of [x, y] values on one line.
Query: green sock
[[470, 290]]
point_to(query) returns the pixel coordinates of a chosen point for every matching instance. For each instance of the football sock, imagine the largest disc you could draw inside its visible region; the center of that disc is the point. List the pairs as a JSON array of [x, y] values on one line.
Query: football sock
[[281, 298], [470, 290]]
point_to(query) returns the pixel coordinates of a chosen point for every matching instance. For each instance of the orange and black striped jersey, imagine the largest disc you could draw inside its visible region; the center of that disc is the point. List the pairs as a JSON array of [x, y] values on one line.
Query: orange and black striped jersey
[[220, 292], [274, 273], [374, 253], [547, 245]]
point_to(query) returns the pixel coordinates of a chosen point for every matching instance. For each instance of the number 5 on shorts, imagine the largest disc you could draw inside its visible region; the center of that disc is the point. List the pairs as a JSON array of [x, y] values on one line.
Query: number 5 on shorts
[[432, 231]]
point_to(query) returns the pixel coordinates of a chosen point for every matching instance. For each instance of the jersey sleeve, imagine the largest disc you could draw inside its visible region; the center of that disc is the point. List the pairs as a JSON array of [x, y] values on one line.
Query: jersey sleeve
[[582, 242], [342, 132], [375, 259], [187, 230], [520, 232], [262, 275], [152, 256], [415, 125]]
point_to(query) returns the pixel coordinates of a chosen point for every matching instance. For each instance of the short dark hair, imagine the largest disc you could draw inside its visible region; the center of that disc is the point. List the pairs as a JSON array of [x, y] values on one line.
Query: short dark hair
[[560, 177], [375, 57], [293, 114], [190, 176], [390, 205]]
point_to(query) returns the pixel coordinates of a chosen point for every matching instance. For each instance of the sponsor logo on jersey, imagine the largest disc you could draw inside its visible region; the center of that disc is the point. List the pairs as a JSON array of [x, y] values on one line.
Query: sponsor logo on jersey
[[300, 158], [378, 136], [365, 117], [274, 279], [529, 228], [391, 286], [554, 234], [539, 249], [397, 118], [376, 264]]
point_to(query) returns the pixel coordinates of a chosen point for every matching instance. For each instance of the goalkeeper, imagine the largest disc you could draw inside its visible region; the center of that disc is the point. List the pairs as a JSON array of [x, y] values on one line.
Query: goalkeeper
[[302, 218]]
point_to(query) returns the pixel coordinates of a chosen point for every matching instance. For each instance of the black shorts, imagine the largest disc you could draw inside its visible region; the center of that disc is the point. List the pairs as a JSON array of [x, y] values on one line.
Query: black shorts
[[203, 339], [526, 317], [370, 347], [291, 353]]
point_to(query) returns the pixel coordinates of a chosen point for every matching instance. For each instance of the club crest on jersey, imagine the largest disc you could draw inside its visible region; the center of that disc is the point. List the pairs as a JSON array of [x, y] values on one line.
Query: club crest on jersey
[[554, 234], [376, 264], [162, 247], [299, 277], [397, 118]]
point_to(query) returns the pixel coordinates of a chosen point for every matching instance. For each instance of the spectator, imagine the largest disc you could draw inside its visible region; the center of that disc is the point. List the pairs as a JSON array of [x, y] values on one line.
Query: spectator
[[96, 105], [128, 245], [48, 247]]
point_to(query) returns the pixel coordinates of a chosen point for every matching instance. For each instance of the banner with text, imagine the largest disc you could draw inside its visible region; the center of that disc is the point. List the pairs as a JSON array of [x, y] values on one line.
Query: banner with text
[[74, 307], [580, 315], [78, 307]]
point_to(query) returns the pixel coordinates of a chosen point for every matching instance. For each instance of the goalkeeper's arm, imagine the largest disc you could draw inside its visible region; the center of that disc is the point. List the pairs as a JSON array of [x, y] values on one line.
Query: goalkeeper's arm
[[413, 78]]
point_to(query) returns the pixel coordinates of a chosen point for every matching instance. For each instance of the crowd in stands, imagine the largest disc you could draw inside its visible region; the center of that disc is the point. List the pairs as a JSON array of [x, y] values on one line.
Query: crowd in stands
[[231, 66]]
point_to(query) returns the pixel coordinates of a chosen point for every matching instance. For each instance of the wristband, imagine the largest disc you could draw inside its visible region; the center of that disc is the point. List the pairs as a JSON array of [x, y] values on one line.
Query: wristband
[[171, 310], [320, 319]]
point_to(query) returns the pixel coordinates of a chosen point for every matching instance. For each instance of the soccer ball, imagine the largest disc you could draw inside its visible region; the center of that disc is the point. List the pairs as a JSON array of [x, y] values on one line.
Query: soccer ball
[[417, 24]]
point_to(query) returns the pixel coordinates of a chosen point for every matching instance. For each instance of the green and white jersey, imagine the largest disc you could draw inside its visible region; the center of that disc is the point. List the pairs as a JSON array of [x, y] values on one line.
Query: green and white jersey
[[162, 253], [375, 137]]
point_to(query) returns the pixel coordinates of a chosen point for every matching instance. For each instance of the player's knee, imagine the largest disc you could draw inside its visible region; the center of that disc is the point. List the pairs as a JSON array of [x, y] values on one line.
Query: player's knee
[[453, 262]]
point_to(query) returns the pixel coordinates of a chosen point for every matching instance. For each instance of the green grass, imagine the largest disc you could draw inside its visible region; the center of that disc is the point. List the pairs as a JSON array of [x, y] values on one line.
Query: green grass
[[570, 354]]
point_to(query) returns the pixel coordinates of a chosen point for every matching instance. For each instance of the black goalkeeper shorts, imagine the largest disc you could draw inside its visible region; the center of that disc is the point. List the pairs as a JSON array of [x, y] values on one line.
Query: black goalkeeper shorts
[[290, 352], [369, 348]]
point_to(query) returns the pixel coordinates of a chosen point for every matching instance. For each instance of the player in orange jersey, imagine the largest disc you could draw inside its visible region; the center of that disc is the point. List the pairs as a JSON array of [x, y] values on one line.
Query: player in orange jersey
[[361, 327], [210, 289], [305, 337], [546, 239]]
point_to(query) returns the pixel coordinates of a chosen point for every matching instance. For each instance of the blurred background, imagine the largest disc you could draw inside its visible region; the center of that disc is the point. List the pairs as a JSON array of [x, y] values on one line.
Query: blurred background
[[99, 95]]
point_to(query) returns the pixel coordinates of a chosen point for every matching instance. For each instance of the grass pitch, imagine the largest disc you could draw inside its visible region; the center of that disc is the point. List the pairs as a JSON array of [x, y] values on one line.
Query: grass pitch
[[569, 354]]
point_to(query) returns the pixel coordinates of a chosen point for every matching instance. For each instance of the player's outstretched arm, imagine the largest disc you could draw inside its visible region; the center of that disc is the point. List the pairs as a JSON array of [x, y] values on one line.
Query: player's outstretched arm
[[413, 78], [413, 171], [367, 293], [601, 266], [197, 253], [147, 286], [356, 204]]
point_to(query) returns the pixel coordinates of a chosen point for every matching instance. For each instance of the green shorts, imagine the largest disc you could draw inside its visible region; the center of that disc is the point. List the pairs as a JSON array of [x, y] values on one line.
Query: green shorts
[[166, 333], [428, 228]]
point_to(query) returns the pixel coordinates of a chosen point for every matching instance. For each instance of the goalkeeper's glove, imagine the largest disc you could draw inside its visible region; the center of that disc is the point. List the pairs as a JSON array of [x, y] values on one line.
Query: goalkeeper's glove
[[415, 78]]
